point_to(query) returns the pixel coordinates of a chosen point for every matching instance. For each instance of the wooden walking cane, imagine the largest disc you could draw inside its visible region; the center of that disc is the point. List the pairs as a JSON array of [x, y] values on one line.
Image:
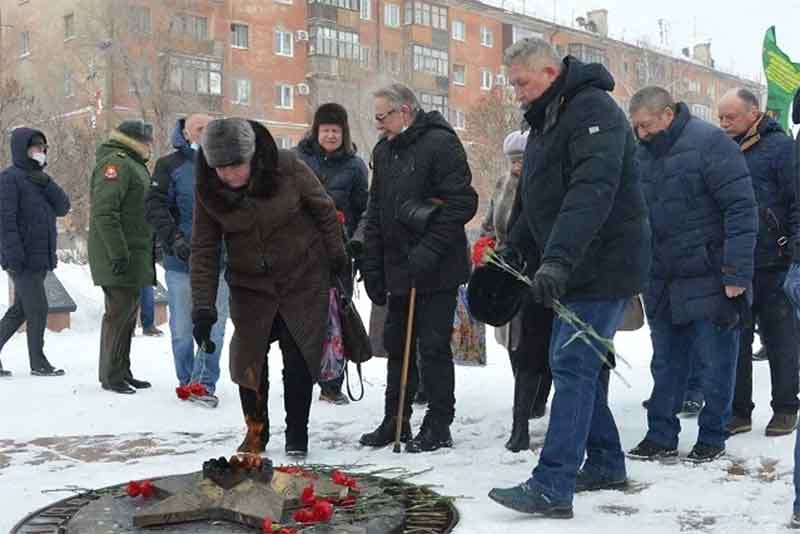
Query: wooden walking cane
[[404, 373]]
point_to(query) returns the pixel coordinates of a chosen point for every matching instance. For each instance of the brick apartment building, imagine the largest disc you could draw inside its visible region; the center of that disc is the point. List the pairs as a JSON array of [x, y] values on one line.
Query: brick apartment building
[[275, 60]]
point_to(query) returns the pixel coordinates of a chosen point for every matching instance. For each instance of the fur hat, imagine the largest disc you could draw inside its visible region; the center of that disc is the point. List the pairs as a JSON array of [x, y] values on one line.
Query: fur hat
[[514, 145], [228, 142], [330, 113], [137, 129]]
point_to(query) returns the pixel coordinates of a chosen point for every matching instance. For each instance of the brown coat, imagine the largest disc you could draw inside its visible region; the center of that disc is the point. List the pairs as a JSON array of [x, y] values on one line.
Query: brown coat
[[280, 234]]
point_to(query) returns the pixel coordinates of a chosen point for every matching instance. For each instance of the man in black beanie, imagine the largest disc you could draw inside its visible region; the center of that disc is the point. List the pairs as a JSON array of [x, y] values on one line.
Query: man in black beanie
[[121, 246]]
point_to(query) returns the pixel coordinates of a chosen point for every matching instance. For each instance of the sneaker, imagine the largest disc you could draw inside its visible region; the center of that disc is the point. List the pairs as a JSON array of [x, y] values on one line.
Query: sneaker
[[430, 438], [781, 424], [138, 384], [152, 331], [530, 500], [45, 369], [795, 521], [760, 355], [208, 400], [3, 372], [384, 434], [122, 388], [702, 453], [691, 408], [334, 397], [650, 450], [590, 480], [739, 425]]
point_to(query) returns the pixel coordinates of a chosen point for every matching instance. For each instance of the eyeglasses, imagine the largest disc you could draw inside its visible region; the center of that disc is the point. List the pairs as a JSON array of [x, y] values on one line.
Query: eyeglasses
[[382, 117]]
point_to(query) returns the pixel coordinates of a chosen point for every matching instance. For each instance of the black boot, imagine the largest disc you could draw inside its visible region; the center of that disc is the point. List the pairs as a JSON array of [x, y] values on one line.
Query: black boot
[[3, 372], [432, 436], [526, 386], [384, 434]]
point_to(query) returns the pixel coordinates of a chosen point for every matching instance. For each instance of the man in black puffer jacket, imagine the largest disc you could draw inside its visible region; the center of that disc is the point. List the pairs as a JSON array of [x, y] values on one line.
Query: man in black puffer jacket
[[768, 151], [581, 205], [420, 200]]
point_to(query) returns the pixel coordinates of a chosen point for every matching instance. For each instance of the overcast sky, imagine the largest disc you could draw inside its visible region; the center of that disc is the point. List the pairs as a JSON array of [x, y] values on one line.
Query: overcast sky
[[734, 27]]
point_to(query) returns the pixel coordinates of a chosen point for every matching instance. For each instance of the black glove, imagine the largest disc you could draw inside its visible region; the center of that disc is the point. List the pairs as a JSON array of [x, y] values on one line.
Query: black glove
[[550, 283], [204, 320], [421, 260], [39, 178], [182, 248], [376, 290], [355, 248], [120, 266], [513, 258]]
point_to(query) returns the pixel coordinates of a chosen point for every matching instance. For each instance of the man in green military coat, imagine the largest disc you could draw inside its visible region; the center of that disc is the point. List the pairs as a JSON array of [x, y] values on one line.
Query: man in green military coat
[[121, 246]]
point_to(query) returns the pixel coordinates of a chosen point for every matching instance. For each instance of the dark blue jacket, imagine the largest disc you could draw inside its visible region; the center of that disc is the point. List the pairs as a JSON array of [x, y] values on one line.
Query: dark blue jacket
[[170, 201], [704, 221], [769, 154], [344, 176], [28, 210]]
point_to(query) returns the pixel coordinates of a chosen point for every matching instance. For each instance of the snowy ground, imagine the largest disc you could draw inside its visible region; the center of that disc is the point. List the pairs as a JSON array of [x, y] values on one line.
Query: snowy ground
[[56, 432]]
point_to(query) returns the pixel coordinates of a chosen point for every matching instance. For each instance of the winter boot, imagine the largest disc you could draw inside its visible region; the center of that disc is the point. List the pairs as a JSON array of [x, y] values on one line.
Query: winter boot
[[384, 434], [703, 452], [257, 437], [3, 372], [296, 441], [739, 425], [650, 450], [431, 437], [781, 424], [526, 386]]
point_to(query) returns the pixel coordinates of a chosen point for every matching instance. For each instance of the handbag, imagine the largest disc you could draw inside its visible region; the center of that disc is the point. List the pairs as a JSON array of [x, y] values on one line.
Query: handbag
[[333, 361], [355, 339]]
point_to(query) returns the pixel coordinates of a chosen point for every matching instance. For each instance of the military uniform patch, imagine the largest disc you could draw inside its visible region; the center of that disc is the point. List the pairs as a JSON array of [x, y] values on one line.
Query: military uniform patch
[[110, 172]]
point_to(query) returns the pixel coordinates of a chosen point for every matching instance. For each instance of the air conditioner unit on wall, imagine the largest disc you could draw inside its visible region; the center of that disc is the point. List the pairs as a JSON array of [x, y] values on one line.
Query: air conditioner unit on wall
[[301, 35], [303, 89]]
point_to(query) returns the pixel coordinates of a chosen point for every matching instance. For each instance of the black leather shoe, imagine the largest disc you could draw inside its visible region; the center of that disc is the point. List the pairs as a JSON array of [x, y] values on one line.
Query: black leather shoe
[[138, 384], [122, 388], [384, 434], [45, 369], [430, 438]]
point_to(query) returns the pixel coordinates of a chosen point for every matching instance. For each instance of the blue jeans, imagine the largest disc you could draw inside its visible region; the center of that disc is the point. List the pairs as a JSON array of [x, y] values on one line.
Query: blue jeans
[[201, 367], [797, 472], [673, 346], [146, 307], [580, 420]]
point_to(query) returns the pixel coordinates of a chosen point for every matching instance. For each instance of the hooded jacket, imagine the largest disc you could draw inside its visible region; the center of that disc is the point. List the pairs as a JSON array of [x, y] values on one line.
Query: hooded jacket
[[344, 176], [424, 162], [28, 211], [704, 220], [580, 201], [170, 199]]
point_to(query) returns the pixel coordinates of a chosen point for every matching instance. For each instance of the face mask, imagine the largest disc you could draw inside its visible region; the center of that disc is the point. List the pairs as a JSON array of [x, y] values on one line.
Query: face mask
[[40, 158], [195, 146]]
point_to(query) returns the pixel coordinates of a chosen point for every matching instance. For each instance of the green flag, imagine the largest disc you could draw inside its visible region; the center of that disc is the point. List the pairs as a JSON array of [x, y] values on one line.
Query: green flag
[[783, 79]]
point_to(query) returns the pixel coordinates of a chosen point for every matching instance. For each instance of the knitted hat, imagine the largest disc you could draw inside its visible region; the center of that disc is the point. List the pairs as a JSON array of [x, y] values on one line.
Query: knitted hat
[[228, 142], [514, 145], [330, 113], [137, 129]]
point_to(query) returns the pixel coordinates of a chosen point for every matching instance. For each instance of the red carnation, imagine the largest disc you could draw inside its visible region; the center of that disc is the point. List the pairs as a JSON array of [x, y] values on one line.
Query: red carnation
[[148, 490], [323, 511], [182, 392], [288, 531], [340, 217], [134, 489], [266, 526], [338, 477], [304, 515], [479, 249], [197, 389], [348, 501], [308, 497]]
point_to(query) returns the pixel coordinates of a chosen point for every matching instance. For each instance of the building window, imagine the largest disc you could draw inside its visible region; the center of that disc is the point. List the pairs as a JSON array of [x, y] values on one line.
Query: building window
[[284, 43], [241, 92], [325, 41], [240, 36], [366, 9], [458, 119], [426, 14], [284, 142], [487, 37], [459, 74], [24, 44], [391, 62], [69, 90], [284, 96], [486, 79], [365, 57], [518, 33], [284, 2], [430, 60], [195, 76], [432, 102], [196, 27], [69, 26], [588, 54], [344, 4], [139, 19], [140, 80], [702, 112], [459, 30], [391, 15]]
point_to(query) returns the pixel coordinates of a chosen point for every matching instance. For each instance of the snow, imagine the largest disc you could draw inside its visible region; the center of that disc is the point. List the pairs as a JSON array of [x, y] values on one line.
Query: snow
[[58, 432]]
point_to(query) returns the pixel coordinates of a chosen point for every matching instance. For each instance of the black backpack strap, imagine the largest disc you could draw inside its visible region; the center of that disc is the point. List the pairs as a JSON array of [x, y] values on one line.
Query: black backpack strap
[[360, 381]]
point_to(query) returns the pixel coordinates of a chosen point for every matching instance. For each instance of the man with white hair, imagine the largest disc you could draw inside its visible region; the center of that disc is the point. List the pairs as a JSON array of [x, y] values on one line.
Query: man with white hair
[[583, 221]]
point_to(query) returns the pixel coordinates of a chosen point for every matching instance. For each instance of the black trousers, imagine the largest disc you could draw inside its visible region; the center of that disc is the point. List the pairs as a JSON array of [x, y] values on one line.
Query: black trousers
[[119, 321], [530, 359], [297, 386], [433, 328], [30, 305], [778, 328]]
